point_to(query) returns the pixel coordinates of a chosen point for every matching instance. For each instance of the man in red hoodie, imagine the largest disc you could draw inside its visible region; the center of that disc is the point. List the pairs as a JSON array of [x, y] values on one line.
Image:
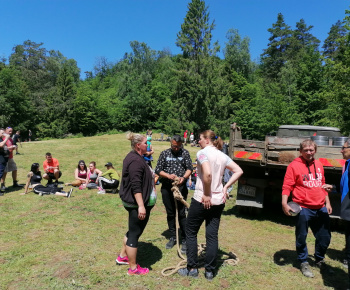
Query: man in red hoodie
[[305, 180]]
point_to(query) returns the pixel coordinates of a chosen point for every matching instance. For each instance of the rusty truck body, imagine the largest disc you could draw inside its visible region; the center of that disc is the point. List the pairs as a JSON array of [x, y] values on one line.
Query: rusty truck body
[[265, 162]]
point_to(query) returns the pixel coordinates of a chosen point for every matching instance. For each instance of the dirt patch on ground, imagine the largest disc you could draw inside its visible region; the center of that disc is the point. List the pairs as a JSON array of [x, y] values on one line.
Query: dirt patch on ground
[[63, 271]]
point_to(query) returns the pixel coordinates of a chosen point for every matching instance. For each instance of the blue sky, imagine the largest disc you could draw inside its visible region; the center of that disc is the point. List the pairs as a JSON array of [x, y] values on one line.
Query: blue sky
[[86, 30]]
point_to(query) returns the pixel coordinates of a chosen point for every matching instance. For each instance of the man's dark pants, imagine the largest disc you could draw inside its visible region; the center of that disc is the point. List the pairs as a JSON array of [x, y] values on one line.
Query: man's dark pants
[[169, 203], [319, 222], [196, 215]]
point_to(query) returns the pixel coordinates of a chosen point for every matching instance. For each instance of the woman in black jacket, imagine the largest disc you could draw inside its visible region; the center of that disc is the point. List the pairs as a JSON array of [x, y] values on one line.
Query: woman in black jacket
[[138, 194]]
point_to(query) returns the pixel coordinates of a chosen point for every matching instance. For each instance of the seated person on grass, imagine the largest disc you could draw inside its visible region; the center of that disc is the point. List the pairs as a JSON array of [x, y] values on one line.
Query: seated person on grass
[[92, 176], [34, 179], [52, 169], [109, 179], [80, 175]]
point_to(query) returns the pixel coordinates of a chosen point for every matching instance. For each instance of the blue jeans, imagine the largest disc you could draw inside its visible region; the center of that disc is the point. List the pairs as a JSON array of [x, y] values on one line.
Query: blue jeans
[[2, 167], [319, 222], [196, 215]]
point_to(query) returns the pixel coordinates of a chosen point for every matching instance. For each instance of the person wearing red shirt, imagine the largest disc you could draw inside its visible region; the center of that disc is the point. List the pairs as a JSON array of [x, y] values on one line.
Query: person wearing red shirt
[[11, 164], [51, 168], [305, 180]]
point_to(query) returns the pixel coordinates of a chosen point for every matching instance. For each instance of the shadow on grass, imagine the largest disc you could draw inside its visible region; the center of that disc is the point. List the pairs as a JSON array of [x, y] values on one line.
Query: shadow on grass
[[148, 254], [332, 276]]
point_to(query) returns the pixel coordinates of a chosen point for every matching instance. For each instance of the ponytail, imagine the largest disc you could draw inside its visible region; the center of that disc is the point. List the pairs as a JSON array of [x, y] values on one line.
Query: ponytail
[[216, 140]]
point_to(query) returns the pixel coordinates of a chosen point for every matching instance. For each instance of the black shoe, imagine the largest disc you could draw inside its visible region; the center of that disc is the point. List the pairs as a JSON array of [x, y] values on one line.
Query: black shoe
[[15, 184], [183, 247], [209, 275], [184, 272], [324, 267], [171, 243]]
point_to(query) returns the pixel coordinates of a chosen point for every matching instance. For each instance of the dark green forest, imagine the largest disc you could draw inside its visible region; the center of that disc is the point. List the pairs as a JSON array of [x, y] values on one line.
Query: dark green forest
[[298, 80]]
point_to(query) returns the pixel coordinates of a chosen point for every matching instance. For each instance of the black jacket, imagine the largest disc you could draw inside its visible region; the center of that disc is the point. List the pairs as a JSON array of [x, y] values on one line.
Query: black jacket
[[136, 177]]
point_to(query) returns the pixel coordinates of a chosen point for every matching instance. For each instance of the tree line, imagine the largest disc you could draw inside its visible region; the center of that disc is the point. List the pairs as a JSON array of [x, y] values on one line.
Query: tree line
[[297, 80]]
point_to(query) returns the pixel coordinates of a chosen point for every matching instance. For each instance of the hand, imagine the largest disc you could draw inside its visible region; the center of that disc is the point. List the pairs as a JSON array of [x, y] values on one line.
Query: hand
[[206, 200], [181, 180], [171, 176], [329, 208], [142, 213], [226, 193], [327, 187], [286, 209]]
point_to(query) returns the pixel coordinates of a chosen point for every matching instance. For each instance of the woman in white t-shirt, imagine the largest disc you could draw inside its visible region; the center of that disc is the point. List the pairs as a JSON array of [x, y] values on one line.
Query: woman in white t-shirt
[[208, 202]]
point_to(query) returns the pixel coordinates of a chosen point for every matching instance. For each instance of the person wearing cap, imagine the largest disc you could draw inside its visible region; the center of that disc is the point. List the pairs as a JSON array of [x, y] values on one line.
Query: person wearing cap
[[305, 181], [109, 179]]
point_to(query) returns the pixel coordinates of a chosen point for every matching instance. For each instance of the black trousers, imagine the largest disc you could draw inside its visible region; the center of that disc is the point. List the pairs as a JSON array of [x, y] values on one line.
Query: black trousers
[[196, 215], [169, 203]]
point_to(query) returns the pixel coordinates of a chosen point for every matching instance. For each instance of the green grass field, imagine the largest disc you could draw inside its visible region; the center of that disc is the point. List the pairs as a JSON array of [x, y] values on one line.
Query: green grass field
[[53, 242]]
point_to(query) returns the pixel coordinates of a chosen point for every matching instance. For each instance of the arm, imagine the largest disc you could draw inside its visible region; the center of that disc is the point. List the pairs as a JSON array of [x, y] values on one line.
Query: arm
[[186, 176], [206, 179], [285, 207], [76, 172], [2, 144], [160, 166], [237, 173], [328, 205], [149, 153], [30, 174], [141, 209]]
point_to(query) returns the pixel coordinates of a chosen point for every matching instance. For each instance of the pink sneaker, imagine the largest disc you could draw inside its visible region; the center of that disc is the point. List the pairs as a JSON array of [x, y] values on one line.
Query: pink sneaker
[[122, 261], [138, 271]]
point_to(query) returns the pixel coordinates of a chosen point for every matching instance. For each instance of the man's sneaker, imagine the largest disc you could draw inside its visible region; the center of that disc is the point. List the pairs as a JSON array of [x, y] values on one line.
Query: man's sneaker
[[305, 269], [15, 184], [345, 263], [171, 243], [138, 271], [114, 191], [185, 272], [324, 267], [2, 188], [102, 191], [17, 153], [70, 192], [183, 247], [209, 275], [122, 261]]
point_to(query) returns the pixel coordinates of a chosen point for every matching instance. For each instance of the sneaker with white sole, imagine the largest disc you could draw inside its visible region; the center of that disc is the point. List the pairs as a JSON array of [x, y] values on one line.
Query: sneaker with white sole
[[70, 192], [138, 271], [122, 260]]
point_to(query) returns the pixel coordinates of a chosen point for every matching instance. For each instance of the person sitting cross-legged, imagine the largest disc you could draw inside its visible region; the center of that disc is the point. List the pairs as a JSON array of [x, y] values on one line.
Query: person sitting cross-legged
[[108, 179]]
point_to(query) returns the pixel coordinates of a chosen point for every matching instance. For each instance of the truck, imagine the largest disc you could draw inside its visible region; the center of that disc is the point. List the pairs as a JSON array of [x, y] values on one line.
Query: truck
[[264, 163]]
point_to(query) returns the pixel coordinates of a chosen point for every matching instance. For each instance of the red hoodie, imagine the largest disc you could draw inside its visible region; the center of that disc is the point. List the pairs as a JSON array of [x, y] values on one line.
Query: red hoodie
[[305, 182]]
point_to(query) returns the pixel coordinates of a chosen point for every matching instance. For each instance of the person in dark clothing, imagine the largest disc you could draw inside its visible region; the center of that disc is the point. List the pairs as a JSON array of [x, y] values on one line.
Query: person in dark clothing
[[345, 200], [34, 179], [174, 162], [17, 138], [138, 194]]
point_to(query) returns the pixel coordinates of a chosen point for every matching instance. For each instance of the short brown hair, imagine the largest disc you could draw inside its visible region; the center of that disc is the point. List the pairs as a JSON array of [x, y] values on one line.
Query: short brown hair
[[308, 142]]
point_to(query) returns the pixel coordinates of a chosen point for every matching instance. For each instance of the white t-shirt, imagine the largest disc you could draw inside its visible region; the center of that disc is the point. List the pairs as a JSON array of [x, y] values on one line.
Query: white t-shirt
[[218, 162]]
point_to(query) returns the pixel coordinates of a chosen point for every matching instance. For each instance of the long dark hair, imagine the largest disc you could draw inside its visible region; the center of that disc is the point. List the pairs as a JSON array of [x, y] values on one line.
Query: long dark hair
[[82, 161], [34, 168]]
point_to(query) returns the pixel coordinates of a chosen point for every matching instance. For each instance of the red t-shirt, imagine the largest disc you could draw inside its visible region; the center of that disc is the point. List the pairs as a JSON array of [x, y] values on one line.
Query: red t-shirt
[[53, 163]]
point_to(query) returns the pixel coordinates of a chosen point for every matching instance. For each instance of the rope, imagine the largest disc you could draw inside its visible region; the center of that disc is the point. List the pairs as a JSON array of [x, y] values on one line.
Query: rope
[[232, 259]]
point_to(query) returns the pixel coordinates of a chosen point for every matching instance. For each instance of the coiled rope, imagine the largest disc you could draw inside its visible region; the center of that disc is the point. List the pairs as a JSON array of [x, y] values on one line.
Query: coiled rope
[[231, 259]]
